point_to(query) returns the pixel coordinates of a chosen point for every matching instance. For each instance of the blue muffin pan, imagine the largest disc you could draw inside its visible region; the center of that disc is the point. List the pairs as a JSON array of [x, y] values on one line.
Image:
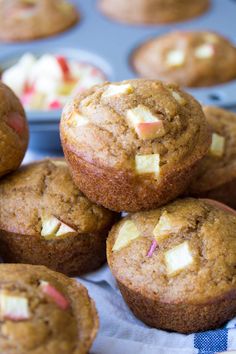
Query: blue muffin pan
[[108, 45]]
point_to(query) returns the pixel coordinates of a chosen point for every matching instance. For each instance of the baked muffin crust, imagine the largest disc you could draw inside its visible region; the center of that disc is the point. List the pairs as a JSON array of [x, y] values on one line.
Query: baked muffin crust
[[22, 20], [200, 58], [187, 281], [45, 219], [14, 133], [124, 141], [44, 311], [216, 175], [152, 11]]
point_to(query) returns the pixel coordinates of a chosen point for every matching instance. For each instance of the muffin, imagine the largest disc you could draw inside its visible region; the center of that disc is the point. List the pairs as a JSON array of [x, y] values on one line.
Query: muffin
[[14, 135], [216, 173], [44, 312], [133, 145], [176, 266], [46, 220], [152, 11], [22, 20], [193, 59]]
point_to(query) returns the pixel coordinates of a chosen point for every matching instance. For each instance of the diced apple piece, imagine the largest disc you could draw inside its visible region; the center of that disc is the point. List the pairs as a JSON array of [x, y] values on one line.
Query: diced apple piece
[[63, 62], [147, 164], [178, 97], [16, 121], [55, 104], [113, 90], [66, 88], [175, 57], [127, 233], [50, 225], [140, 114], [217, 145], [146, 125], [204, 51], [14, 308], [65, 230], [178, 258], [167, 224], [78, 119], [149, 130], [52, 292]]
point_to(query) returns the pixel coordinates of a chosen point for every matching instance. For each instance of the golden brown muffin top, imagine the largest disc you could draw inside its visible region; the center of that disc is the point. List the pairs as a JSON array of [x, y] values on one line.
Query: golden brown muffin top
[[29, 19], [43, 311], [112, 124], [41, 199], [219, 166], [13, 130], [200, 58], [152, 11], [183, 252]]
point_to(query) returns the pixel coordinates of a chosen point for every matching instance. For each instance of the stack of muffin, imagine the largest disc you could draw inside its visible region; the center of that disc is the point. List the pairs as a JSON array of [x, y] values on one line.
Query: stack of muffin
[[134, 147]]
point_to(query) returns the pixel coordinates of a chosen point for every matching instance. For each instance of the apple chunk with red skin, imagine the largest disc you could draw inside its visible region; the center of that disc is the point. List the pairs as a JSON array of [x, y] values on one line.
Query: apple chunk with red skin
[[14, 307], [146, 124], [52, 292], [149, 130], [16, 122]]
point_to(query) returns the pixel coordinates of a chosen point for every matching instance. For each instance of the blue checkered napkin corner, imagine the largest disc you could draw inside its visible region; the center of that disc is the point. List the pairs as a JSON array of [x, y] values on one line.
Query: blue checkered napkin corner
[[217, 341]]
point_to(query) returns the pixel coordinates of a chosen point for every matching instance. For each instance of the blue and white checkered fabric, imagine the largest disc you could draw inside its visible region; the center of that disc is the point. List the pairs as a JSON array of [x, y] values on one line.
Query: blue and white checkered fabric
[[216, 341], [121, 333]]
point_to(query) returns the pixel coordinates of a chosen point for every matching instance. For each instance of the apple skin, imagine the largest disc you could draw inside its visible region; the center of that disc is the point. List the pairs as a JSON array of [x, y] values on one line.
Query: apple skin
[[62, 61], [16, 122], [150, 130], [52, 292]]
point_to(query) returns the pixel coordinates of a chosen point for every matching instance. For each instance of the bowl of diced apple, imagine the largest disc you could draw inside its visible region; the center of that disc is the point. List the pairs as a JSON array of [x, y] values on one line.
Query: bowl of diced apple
[[44, 81]]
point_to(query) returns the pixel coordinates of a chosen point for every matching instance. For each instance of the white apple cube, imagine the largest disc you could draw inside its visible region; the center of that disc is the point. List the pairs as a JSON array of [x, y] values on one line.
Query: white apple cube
[[140, 114], [65, 230], [217, 145], [204, 51], [113, 90], [14, 308], [50, 225], [175, 57], [166, 225], [127, 233], [147, 164], [178, 258]]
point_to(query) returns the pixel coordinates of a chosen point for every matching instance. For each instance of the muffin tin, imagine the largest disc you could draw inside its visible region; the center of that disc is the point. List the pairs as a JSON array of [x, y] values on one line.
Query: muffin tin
[[108, 45]]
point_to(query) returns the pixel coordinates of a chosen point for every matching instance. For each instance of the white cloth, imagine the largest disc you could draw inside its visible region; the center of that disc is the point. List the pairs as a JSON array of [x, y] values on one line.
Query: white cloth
[[121, 333]]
